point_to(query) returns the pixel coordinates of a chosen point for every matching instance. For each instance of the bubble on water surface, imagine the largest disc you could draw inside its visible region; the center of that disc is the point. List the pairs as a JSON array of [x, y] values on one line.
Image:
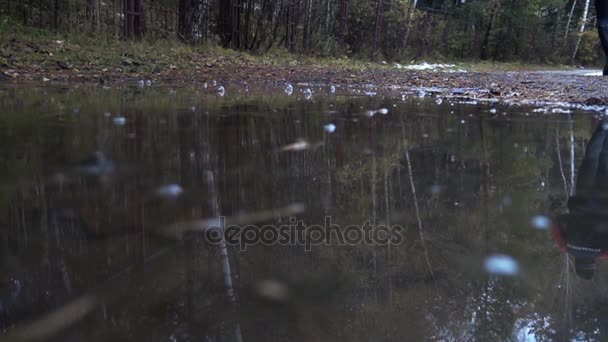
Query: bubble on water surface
[[119, 121], [170, 191], [288, 89], [298, 145], [541, 222], [221, 91], [502, 265], [307, 94], [272, 290], [329, 128], [436, 189]]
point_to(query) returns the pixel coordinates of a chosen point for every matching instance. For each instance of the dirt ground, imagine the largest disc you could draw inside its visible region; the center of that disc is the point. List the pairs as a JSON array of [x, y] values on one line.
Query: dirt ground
[[574, 86]]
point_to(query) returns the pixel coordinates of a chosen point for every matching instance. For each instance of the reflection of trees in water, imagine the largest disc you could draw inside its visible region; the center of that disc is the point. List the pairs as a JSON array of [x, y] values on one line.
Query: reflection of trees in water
[[67, 240]]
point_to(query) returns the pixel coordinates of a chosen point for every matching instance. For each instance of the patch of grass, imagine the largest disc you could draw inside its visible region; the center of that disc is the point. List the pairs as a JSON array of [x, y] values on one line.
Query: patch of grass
[[35, 49]]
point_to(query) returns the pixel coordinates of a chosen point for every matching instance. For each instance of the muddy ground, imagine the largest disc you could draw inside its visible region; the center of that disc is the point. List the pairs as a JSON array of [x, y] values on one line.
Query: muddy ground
[[574, 86]]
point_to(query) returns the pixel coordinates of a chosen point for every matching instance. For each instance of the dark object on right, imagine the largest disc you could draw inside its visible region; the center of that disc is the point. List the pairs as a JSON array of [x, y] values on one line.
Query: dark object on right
[[601, 7]]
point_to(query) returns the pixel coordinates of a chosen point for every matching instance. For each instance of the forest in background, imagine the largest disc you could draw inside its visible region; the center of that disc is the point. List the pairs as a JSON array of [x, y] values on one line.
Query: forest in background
[[530, 31]]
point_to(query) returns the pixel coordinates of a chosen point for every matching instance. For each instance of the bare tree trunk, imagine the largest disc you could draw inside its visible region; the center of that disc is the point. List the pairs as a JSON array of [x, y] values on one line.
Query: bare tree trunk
[[235, 17], [183, 21], [93, 14], [424, 34], [410, 17], [569, 20], [307, 24], [554, 36], [486, 39], [327, 18], [290, 37], [581, 31], [343, 17], [57, 14], [199, 23], [378, 29]]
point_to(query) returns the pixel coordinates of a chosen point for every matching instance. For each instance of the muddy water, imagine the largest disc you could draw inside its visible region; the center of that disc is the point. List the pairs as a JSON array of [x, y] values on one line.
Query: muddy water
[[347, 217]]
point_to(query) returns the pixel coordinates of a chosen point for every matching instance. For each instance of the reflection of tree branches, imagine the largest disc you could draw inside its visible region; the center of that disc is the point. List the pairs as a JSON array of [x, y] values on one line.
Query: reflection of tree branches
[[559, 159], [416, 207], [215, 206]]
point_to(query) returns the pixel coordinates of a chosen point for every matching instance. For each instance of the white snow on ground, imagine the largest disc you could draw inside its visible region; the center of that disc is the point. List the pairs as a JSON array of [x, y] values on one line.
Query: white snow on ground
[[427, 66], [594, 73]]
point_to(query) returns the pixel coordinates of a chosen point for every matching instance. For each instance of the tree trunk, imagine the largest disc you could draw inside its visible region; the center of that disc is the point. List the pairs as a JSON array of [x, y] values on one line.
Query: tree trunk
[[569, 20], [57, 14], [343, 17], [486, 39], [93, 14], [290, 36], [410, 17], [554, 36], [133, 18], [184, 25], [581, 31], [424, 34], [378, 29], [327, 18], [307, 24], [224, 22], [235, 18]]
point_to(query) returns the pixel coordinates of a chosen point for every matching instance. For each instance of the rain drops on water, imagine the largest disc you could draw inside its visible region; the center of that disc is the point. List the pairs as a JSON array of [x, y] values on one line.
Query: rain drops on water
[[288, 89], [221, 91], [332, 89], [272, 290], [119, 121], [541, 222], [298, 145], [371, 113], [439, 101], [307, 93], [171, 191], [436, 189], [502, 265], [329, 128]]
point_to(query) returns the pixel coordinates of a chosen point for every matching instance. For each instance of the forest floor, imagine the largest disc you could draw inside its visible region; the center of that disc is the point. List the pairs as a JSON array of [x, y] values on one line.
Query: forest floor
[[46, 58]]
